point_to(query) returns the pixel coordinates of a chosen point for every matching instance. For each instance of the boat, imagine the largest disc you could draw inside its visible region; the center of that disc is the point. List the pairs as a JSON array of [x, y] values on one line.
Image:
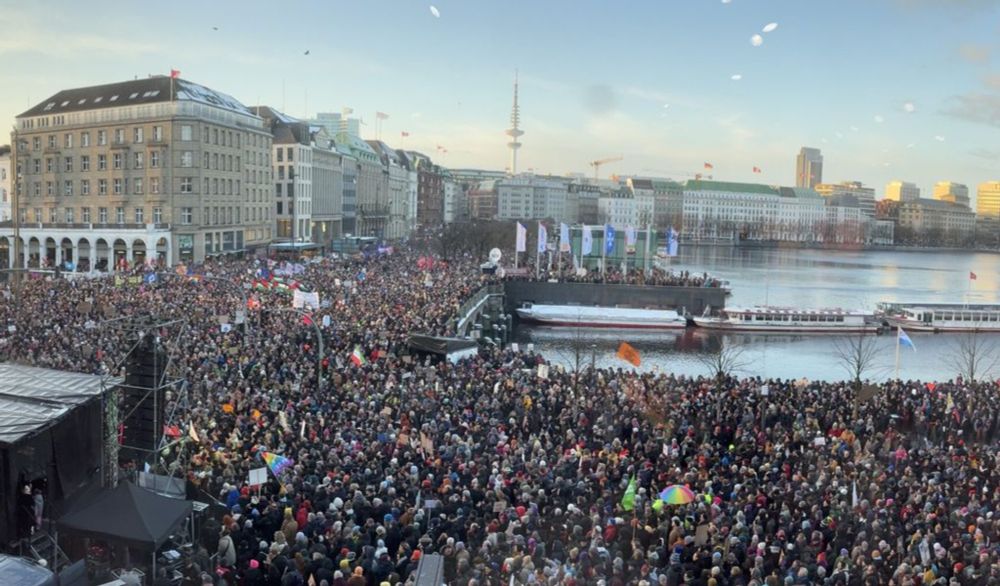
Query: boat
[[941, 317], [768, 319], [580, 316]]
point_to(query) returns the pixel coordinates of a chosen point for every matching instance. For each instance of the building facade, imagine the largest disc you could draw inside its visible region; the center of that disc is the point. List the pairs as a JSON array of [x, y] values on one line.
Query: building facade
[[808, 168], [292, 160], [935, 222], [902, 191], [328, 189], [618, 207], [430, 191], [483, 200], [371, 188], [397, 181], [530, 197], [988, 200], [865, 196], [951, 192], [143, 170], [6, 196]]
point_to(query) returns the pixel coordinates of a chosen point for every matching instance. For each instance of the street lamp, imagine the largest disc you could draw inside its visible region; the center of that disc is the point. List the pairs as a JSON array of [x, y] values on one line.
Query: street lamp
[[319, 338]]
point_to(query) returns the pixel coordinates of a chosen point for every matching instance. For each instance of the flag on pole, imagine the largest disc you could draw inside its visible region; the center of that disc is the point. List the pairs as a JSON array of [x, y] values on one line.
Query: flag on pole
[[629, 354], [949, 402], [609, 238], [276, 462], [192, 433], [358, 357], [175, 73], [628, 499], [630, 236], [381, 116], [564, 245], [756, 170], [672, 244], [972, 276], [903, 339], [587, 241], [709, 166], [404, 134], [521, 239], [543, 237]]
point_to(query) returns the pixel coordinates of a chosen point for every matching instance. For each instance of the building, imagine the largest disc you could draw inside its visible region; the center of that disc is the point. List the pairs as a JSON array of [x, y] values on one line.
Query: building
[[645, 200], [514, 132], [456, 200], [618, 207], [951, 192], [336, 122], [483, 200], [397, 181], [532, 197], [988, 200], [151, 169], [588, 197], [902, 191], [292, 161], [372, 186], [808, 168], [430, 191], [865, 196], [936, 222], [6, 196]]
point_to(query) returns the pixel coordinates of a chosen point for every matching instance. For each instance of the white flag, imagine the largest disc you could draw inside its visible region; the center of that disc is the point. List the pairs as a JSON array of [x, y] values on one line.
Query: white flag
[[588, 241], [630, 236], [521, 242], [564, 242], [543, 237]]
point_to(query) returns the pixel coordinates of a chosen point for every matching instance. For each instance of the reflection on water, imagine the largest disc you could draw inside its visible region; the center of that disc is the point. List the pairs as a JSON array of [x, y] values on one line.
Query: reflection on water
[[802, 278]]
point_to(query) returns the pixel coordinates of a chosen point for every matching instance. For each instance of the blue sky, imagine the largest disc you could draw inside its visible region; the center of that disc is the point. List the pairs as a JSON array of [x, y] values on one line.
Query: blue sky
[[595, 76]]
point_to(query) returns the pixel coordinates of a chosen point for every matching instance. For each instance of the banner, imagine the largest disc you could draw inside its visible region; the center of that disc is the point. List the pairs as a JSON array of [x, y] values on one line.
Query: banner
[[672, 242], [302, 300], [543, 237], [521, 240], [630, 240], [609, 238], [588, 241], [563, 237]]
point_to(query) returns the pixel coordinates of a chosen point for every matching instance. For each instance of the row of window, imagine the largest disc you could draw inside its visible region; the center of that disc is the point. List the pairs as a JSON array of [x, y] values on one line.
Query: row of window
[[216, 136], [121, 161], [117, 186], [211, 215]]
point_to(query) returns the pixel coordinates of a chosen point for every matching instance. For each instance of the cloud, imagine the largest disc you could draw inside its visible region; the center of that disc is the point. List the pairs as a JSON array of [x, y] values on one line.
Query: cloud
[[78, 46], [987, 154], [992, 81], [600, 99], [978, 54], [978, 108]]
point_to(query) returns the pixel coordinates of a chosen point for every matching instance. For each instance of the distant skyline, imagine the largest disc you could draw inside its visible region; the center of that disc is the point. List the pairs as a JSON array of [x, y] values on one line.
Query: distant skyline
[[887, 89]]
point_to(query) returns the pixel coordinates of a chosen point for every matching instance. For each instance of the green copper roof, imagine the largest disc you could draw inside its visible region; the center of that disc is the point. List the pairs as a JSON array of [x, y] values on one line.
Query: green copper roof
[[702, 185]]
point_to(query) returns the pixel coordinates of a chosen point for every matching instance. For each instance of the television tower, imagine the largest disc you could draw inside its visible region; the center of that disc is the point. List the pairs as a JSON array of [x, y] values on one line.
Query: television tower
[[514, 132]]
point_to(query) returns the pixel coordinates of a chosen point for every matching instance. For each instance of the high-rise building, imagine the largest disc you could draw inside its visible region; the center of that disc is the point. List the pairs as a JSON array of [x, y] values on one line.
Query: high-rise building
[[864, 196], [988, 200], [951, 192], [514, 132], [808, 168], [337, 122], [902, 191], [154, 169]]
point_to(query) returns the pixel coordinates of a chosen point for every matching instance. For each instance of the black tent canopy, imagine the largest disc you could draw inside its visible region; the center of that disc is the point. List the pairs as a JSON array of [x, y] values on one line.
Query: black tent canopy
[[451, 348], [135, 516]]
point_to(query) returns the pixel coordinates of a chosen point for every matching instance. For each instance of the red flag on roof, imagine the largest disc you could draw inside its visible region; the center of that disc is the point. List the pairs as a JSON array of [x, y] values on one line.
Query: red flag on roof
[[175, 73], [404, 134], [972, 276], [709, 166], [756, 170]]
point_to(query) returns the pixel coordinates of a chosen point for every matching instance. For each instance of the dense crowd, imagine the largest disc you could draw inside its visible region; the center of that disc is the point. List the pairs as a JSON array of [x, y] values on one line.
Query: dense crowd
[[515, 474]]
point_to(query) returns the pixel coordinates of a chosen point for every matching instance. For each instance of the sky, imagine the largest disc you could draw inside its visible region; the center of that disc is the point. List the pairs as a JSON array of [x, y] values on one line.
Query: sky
[[887, 89]]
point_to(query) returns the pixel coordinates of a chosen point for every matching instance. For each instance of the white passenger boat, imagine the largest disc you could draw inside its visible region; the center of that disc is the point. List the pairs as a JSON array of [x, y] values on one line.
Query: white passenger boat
[[601, 317], [942, 317], [785, 319]]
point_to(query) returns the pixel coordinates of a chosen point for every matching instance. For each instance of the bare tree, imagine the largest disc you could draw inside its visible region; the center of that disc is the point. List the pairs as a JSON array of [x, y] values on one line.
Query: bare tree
[[578, 354], [725, 359], [973, 357], [858, 356]]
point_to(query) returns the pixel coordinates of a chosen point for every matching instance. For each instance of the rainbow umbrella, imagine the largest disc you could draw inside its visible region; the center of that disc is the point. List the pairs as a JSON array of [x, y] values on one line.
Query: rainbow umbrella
[[676, 494]]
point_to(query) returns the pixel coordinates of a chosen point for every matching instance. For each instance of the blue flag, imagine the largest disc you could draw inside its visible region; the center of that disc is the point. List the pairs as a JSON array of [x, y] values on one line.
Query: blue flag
[[150, 278], [671, 242], [903, 339], [609, 238]]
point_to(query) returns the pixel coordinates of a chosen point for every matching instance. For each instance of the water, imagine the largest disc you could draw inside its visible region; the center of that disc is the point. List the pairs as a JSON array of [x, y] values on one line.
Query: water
[[799, 278]]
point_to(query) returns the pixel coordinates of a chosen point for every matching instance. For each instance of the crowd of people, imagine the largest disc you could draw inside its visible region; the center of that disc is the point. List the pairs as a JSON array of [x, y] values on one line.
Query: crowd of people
[[516, 474]]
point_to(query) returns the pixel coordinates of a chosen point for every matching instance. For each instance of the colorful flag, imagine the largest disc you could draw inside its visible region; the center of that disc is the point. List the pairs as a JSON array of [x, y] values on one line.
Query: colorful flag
[[587, 241], [902, 338], [564, 242], [149, 278], [628, 499], [521, 239], [358, 357], [307, 320], [609, 238], [629, 354], [709, 166], [972, 276], [175, 73], [277, 463], [543, 237]]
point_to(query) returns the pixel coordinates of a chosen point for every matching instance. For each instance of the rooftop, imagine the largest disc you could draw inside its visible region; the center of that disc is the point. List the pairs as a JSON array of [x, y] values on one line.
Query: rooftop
[[703, 185]]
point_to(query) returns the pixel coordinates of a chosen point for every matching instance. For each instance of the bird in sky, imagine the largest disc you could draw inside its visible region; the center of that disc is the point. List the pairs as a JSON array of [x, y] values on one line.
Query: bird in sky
[[307, 52]]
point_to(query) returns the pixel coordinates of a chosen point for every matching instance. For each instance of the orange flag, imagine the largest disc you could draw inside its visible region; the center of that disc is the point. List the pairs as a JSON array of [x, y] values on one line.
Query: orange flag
[[629, 354]]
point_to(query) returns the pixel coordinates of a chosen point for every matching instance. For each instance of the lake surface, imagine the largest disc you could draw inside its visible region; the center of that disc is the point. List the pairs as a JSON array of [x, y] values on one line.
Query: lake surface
[[799, 278]]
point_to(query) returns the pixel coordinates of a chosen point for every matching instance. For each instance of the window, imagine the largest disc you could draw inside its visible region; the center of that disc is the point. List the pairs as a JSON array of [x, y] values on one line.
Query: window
[[139, 160], [36, 143], [85, 163], [85, 139], [68, 214], [102, 162], [36, 165], [157, 215], [157, 133], [154, 185], [85, 187], [85, 215], [116, 161], [205, 188], [102, 215], [52, 141], [277, 189], [50, 189], [139, 216], [137, 186], [68, 140], [154, 159], [117, 189], [215, 161], [215, 186], [215, 136], [186, 215], [67, 187], [281, 172], [102, 137], [137, 134], [68, 164], [120, 215], [48, 165], [215, 215], [206, 218], [187, 185], [290, 151], [280, 155], [281, 208], [53, 215], [205, 161], [119, 136], [187, 159], [186, 133], [102, 187], [37, 212]]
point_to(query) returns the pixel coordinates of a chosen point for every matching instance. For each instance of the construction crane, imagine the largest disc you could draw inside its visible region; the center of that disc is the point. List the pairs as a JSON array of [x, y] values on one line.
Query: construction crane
[[597, 164]]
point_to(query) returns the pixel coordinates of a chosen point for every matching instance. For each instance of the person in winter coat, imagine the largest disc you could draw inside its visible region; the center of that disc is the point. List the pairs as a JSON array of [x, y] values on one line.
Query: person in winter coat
[[227, 550]]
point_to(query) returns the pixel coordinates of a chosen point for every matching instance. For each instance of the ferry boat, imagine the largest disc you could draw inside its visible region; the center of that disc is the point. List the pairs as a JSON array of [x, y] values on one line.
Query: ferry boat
[[785, 319], [601, 317], [942, 317]]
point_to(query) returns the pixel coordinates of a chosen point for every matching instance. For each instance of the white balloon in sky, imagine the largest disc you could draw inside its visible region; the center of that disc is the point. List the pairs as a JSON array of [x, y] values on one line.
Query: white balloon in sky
[[756, 40], [939, 138], [909, 107], [435, 11], [736, 77], [665, 106], [879, 119], [770, 27]]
